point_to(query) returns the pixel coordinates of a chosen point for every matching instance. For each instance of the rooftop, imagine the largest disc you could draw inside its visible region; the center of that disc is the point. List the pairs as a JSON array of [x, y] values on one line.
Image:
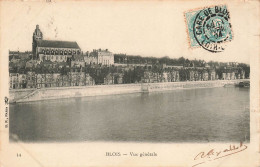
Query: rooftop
[[57, 44]]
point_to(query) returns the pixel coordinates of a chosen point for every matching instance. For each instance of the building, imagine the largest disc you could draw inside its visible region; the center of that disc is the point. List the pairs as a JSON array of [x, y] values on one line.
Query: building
[[192, 75], [78, 61], [205, 76], [60, 51], [90, 58], [20, 81], [103, 57], [31, 80], [14, 80], [212, 74], [109, 79]]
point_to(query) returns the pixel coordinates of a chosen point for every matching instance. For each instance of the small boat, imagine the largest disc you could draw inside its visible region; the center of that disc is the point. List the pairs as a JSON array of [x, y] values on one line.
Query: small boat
[[243, 84]]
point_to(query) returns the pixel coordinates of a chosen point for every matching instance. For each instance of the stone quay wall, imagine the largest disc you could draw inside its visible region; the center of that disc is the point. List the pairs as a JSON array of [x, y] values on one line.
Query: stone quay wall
[[27, 95]]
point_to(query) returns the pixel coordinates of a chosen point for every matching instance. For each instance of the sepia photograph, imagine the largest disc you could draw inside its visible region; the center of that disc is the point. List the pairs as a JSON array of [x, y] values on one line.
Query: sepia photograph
[[101, 95], [130, 75]]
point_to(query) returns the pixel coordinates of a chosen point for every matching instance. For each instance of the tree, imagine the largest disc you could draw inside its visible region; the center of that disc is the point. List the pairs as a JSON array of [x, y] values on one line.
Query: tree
[[246, 68], [181, 61]]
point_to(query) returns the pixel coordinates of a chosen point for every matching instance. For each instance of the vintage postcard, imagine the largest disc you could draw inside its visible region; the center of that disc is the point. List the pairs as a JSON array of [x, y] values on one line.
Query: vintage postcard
[[129, 83]]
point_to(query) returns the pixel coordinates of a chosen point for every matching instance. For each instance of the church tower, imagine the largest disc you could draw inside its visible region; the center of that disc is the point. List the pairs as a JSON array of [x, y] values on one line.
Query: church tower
[[37, 35]]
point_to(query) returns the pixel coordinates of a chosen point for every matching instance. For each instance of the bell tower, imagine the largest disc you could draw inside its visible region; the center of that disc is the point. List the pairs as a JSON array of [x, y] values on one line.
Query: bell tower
[[37, 35]]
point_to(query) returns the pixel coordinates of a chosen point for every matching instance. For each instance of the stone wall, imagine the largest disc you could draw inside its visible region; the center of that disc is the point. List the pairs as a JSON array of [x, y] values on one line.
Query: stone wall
[[26, 95]]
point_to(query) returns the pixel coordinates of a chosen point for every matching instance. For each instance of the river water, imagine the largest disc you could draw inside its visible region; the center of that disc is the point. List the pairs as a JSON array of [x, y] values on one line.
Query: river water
[[190, 115]]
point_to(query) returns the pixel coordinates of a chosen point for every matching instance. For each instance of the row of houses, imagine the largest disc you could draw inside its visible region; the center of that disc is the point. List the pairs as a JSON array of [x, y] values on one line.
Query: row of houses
[[32, 80], [212, 75], [116, 78], [175, 76], [233, 75], [150, 77]]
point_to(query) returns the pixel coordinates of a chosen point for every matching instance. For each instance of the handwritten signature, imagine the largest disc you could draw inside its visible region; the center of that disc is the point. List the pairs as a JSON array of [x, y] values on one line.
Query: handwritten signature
[[214, 154]]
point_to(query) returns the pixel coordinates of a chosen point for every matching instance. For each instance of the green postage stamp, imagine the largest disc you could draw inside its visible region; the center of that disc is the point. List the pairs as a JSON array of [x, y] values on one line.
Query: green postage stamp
[[209, 28]]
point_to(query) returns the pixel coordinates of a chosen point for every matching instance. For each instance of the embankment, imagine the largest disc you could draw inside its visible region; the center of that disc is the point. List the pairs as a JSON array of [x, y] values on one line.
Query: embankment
[[26, 95]]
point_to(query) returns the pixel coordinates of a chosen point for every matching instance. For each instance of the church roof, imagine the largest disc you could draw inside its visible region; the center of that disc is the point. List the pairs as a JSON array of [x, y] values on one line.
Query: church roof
[[57, 44]]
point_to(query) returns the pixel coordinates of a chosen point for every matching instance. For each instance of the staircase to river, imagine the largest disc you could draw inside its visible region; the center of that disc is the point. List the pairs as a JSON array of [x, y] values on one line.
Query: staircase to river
[[30, 95]]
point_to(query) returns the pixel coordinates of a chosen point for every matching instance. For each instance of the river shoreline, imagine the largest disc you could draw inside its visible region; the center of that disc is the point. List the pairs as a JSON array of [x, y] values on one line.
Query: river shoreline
[[29, 95]]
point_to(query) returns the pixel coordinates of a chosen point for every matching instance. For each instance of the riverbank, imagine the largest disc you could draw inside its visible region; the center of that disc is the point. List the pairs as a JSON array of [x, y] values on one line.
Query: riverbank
[[27, 95]]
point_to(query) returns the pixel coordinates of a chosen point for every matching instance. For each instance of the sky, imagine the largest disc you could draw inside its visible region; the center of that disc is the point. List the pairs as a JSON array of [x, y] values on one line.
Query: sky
[[155, 28]]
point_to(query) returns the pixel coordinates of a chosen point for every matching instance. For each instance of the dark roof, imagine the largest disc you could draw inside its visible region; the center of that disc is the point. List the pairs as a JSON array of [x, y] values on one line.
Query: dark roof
[[57, 44]]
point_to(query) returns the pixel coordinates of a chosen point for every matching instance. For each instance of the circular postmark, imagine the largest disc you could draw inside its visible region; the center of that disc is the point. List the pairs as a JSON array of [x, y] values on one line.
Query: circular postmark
[[212, 29]]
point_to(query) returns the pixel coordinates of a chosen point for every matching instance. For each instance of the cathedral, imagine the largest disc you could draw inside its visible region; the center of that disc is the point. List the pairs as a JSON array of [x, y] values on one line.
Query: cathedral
[[60, 51]]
